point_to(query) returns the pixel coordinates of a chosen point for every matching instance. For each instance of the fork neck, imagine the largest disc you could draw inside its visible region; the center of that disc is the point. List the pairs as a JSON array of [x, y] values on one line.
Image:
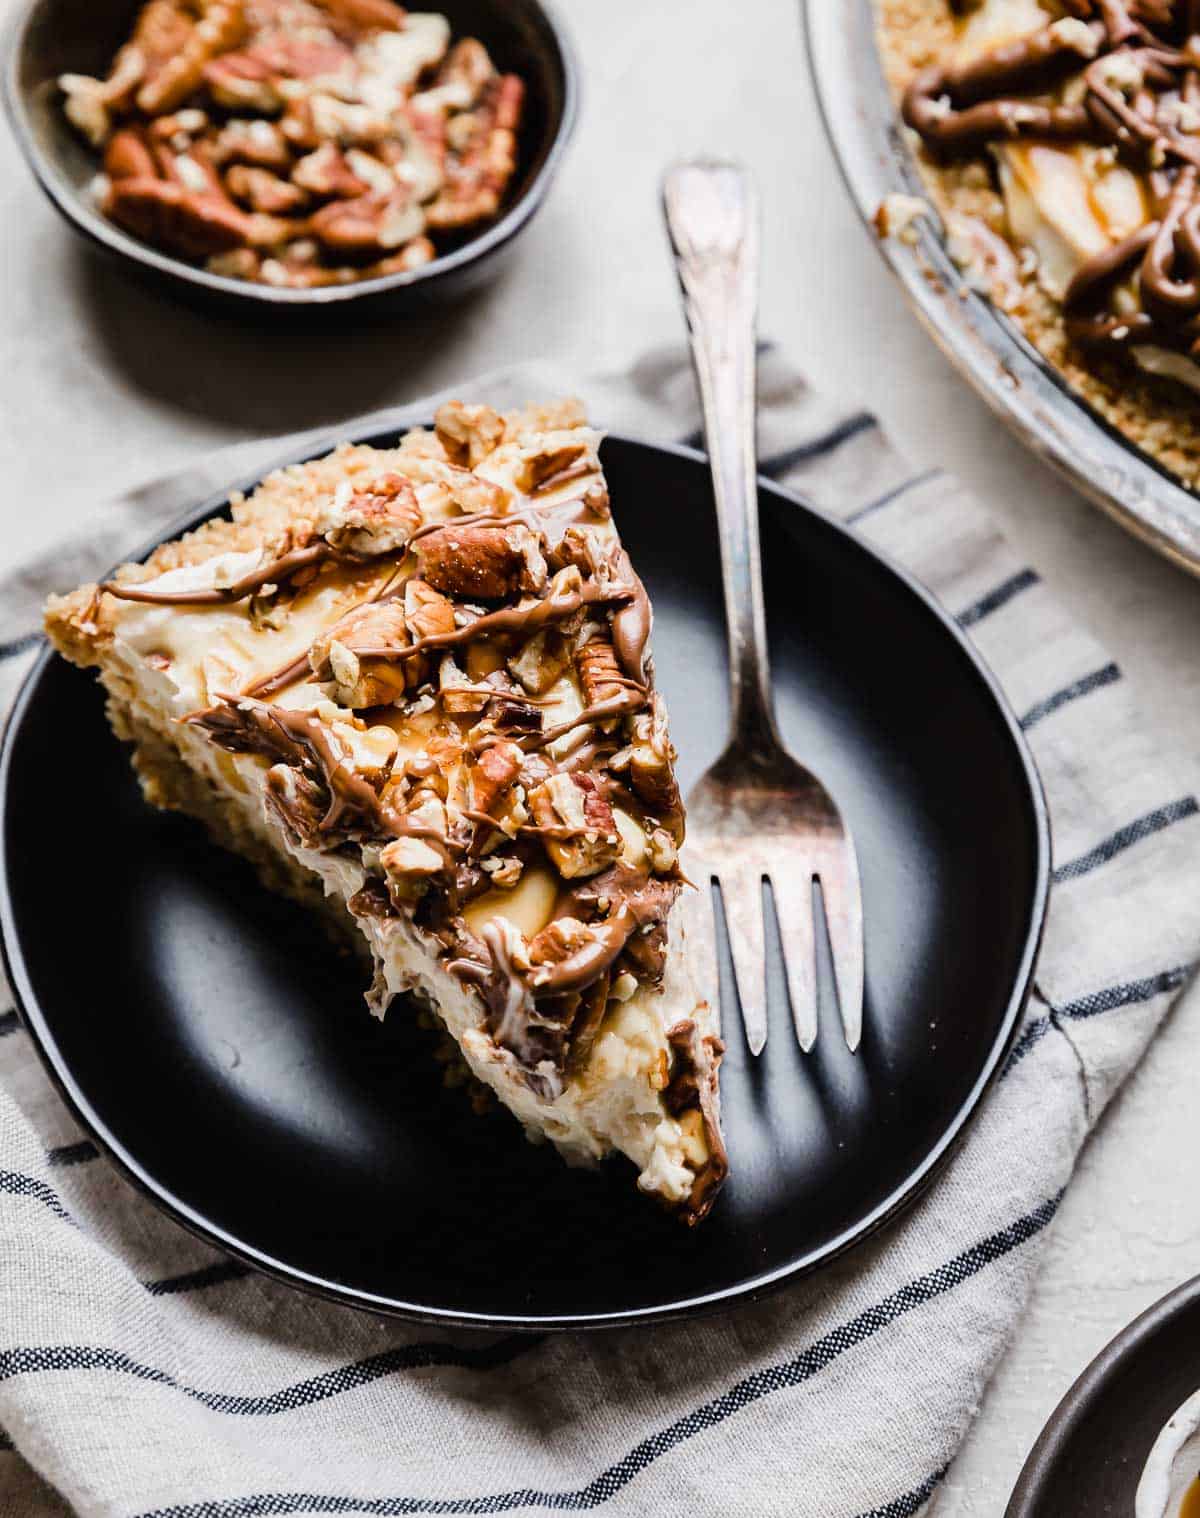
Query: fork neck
[[712, 216]]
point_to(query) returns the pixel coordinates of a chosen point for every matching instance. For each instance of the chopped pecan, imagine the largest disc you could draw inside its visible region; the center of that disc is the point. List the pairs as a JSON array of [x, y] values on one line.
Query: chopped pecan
[[365, 15], [664, 855], [484, 563], [599, 673], [335, 655], [166, 214], [301, 55], [90, 103], [242, 82], [541, 660], [312, 119], [326, 172], [539, 465], [379, 518], [427, 612], [588, 841], [369, 225], [419, 155], [478, 174], [191, 171], [410, 863], [128, 156], [237, 263], [180, 129], [221, 26], [263, 191], [460, 695], [306, 274], [259, 143], [582, 547], [503, 870], [468, 67], [468, 433], [374, 173], [493, 775], [651, 768]]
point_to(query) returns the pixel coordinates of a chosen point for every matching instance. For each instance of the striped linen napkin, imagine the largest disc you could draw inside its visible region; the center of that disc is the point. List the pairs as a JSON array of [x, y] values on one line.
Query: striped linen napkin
[[143, 1374]]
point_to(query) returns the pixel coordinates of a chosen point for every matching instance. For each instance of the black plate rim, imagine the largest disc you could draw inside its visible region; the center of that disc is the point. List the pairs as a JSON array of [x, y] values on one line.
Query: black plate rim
[[112, 240], [902, 1197], [1075, 1406]]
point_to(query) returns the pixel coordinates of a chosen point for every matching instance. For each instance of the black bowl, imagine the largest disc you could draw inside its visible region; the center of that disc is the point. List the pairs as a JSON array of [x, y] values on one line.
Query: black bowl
[[1089, 1458], [52, 37]]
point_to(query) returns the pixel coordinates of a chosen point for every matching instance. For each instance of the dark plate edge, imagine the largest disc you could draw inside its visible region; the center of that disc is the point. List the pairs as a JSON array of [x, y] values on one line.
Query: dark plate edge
[[903, 1197], [1027, 392], [1076, 1404], [114, 242]]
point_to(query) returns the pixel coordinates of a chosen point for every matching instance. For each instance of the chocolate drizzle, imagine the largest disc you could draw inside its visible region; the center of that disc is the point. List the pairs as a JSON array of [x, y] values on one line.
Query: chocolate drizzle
[[275, 570], [1134, 71], [563, 601]]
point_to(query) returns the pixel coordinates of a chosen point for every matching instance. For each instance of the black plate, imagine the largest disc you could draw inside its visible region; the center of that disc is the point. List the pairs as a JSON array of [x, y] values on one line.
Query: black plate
[[1088, 1460], [221, 1054], [51, 37]]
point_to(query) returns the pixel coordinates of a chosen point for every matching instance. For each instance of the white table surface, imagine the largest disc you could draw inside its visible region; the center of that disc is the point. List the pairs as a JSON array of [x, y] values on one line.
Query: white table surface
[[103, 384]]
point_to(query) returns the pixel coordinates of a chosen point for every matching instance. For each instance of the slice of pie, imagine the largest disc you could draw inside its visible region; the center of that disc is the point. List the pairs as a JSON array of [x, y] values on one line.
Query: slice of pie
[[415, 684]]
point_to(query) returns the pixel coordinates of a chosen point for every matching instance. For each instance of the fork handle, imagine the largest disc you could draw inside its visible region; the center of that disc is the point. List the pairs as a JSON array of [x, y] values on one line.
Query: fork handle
[[711, 209]]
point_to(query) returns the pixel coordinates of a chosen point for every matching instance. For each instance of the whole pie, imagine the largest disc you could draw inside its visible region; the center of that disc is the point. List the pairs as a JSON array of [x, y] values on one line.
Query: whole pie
[[1061, 140], [414, 686]]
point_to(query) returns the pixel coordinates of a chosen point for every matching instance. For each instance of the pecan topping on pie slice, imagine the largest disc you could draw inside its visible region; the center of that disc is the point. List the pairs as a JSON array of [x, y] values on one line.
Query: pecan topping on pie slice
[[420, 678]]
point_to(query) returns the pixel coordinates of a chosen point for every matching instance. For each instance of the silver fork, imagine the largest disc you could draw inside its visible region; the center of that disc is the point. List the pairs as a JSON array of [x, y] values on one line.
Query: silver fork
[[757, 815]]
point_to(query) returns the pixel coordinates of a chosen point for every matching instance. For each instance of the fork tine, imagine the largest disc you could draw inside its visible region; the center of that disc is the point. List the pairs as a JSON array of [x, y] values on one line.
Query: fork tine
[[843, 916], [741, 893], [700, 931], [792, 888]]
